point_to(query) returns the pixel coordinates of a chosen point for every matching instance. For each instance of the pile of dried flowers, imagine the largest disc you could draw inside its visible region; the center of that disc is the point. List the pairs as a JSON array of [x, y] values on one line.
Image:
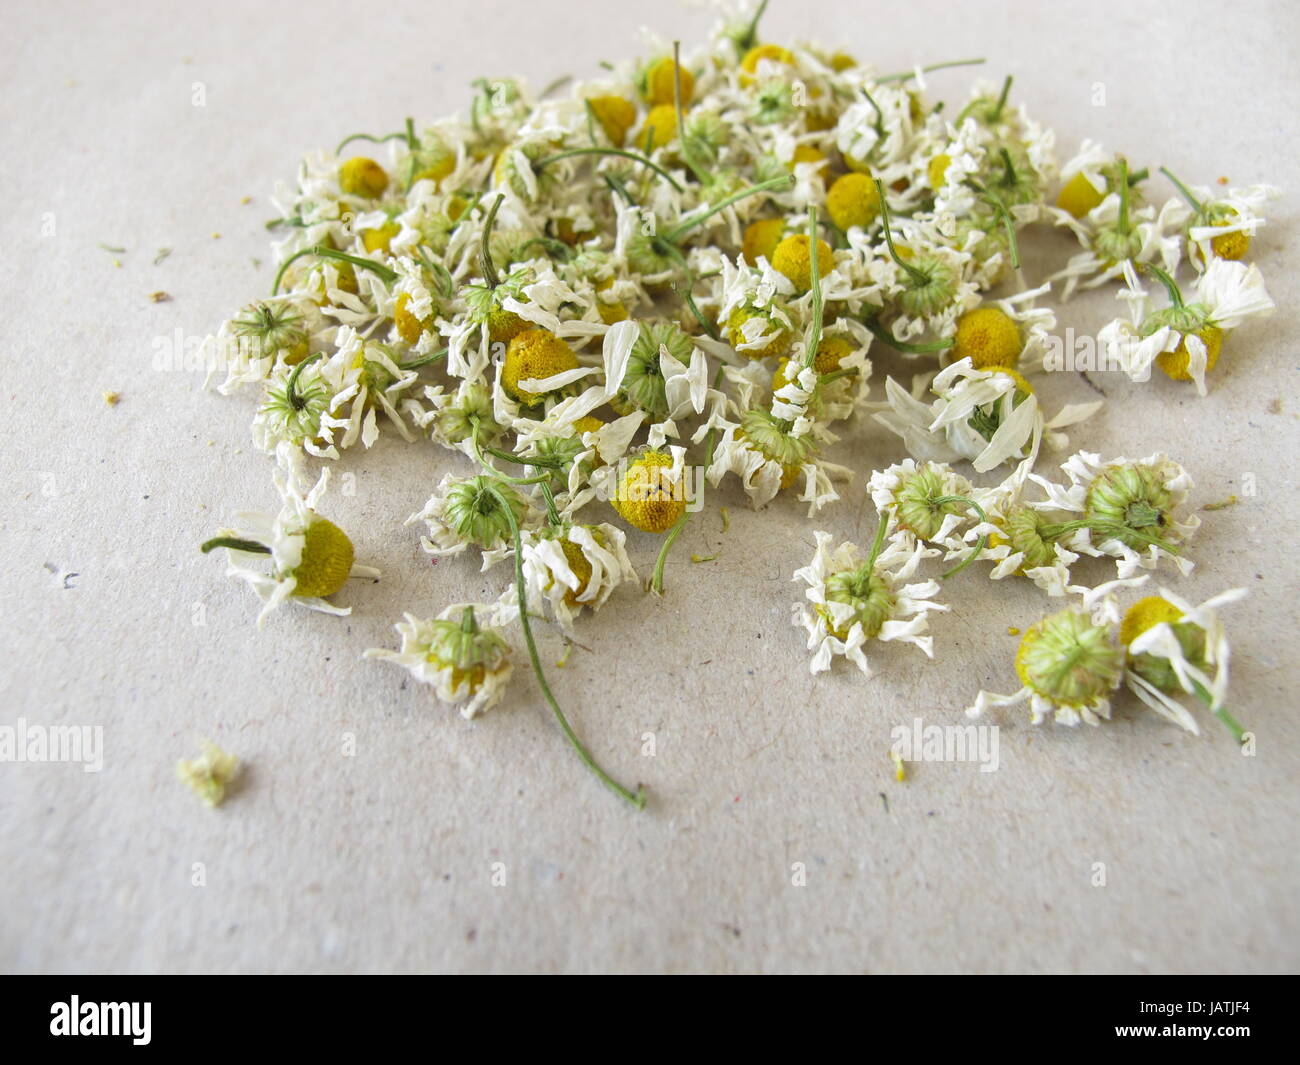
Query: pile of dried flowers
[[674, 274]]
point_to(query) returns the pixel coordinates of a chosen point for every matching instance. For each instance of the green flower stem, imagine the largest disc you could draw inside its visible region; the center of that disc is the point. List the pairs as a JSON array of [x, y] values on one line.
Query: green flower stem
[[785, 181], [367, 137], [885, 337], [637, 799], [1122, 223], [322, 252], [1109, 528], [879, 124], [657, 581], [748, 37], [234, 544], [291, 386], [909, 75], [980, 544], [486, 265], [1002, 99], [552, 515], [1171, 286], [1221, 712], [621, 152], [424, 360], [478, 457], [917, 275], [1185, 192], [815, 329], [877, 544]]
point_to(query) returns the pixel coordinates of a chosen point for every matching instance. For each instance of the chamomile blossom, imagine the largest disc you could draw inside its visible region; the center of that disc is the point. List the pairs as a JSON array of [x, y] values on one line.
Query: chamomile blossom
[[310, 557], [466, 664], [1185, 339], [1019, 540], [468, 511], [851, 600], [1069, 664], [568, 568], [1216, 226], [988, 416], [1174, 649], [1134, 511]]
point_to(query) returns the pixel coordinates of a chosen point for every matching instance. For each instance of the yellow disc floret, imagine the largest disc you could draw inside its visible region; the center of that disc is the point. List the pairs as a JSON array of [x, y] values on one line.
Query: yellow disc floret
[[360, 176], [989, 337], [771, 53], [793, 258], [779, 344], [1078, 196], [615, 115], [1175, 363], [853, 201], [659, 83], [409, 327], [1146, 614], [534, 354], [647, 497], [761, 239], [327, 557], [660, 128], [379, 239], [937, 169]]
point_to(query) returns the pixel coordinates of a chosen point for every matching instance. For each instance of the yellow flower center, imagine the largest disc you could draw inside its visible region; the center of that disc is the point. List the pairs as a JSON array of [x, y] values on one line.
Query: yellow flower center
[[761, 239], [778, 345], [616, 115], [1231, 245], [988, 337], [794, 259], [409, 327], [1175, 363], [936, 169], [379, 239], [853, 201], [647, 497], [771, 53], [1145, 614], [659, 81], [660, 128], [327, 557], [360, 176], [534, 353], [1077, 196]]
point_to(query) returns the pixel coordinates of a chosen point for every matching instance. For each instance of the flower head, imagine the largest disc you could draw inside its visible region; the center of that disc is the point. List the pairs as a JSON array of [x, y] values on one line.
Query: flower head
[[467, 665], [853, 601]]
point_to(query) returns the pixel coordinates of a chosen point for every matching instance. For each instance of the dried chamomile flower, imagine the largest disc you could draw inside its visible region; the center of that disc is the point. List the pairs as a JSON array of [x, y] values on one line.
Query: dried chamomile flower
[[470, 510], [1020, 540], [988, 416], [295, 410], [311, 557], [1219, 226], [1069, 665], [1114, 234], [569, 567], [853, 200], [855, 600], [541, 359], [210, 774], [926, 500], [652, 491], [1185, 339], [1133, 511], [1009, 332], [1174, 648], [363, 177], [274, 329], [466, 664]]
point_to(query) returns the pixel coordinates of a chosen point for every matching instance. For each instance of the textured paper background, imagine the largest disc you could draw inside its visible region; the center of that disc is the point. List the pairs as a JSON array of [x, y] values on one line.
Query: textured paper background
[[383, 861]]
